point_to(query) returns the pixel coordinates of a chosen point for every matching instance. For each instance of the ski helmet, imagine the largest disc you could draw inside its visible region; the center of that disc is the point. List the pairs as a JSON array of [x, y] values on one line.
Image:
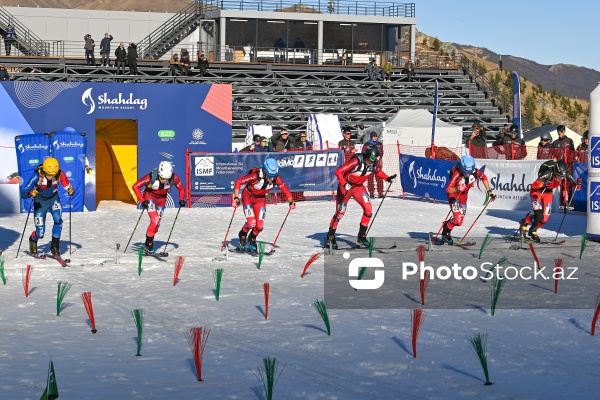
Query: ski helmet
[[546, 136], [271, 167], [50, 166], [467, 164], [561, 169], [586, 135], [371, 153], [514, 129], [165, 170]]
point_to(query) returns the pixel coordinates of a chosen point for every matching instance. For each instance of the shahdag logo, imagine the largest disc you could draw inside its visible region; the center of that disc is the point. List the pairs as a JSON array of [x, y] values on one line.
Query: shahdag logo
[[594, 199], [430, 176], [21, 148], [87, 98], [595, 151], [204, 166]]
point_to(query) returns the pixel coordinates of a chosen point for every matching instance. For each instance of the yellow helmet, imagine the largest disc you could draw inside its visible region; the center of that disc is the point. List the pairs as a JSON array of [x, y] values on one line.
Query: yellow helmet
[[50, 166]]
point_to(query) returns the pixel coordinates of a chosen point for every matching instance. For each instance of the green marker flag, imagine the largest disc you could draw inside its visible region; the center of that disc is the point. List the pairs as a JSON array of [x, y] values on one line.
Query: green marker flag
[[63, 289], [2, 269], [485, 244], [217, 275], [584, 239], [261, 253], [140, 256], [322, 309], [479, 346], [268, 375], [138, 316], [371, 245], [497, 285], [51, 391]]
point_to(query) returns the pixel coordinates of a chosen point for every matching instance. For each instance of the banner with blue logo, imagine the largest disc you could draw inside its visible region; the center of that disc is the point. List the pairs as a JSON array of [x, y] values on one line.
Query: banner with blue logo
[[594, 152], [301, 171], [32, 150], [579, 201], [424, 176], [69, 148]]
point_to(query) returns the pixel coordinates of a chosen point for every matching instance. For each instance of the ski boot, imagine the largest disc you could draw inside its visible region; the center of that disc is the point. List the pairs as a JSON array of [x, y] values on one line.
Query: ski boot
[[32, 246], [149, 245], [534, 236], [252, 245], [446, 235], [362, 240], [330, 240], [242, 237], [55, 247]]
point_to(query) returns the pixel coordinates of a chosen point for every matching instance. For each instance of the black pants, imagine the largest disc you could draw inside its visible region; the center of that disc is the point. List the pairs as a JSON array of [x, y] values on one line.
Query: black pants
[[120, 67], [133, 67], [7, 46]]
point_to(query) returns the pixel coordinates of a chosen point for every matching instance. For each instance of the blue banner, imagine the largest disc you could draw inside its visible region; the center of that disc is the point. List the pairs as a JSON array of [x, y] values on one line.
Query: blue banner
[[425, 177], [32, 150], [69, 148], [301, 171], [517, 103], [580, 169]]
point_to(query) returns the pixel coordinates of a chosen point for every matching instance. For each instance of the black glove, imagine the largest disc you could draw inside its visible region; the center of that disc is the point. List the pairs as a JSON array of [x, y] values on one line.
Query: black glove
[[181, 203], [492, 195], [145, 204], [391, 178]]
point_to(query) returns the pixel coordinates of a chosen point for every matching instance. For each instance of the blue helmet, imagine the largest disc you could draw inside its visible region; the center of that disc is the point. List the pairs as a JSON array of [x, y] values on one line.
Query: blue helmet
[[271, 167], [467, 164]]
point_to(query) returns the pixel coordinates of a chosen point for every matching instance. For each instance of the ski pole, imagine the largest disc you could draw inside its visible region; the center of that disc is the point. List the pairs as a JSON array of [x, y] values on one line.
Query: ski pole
[[70, 208], [169, 238], [473, 224], [136, 225], [25, 227], [277, 237], [228, 228], [375, 216], [563, 219]]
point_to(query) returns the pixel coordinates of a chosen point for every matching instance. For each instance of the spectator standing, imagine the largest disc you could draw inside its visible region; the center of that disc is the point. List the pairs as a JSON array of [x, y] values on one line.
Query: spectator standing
[[544, 146], [184, 62], [255, 146], [202, 64], [174, 65], [362, 133], [105, 50], [302, 144], [347, 144], [4, 76], [514, 146], [281, 141], [121, 58], [10, 37], [563, 139], [132, 58], [585, 141], [409, 70], [374, 142], [477, 143], [89, 50]]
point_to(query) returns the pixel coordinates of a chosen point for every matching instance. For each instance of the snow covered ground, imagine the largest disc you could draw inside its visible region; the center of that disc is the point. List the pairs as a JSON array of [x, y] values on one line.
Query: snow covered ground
[[532, 354]]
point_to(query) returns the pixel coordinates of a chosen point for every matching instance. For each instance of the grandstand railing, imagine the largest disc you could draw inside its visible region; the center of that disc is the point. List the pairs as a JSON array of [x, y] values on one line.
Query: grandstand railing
[[515, 151]]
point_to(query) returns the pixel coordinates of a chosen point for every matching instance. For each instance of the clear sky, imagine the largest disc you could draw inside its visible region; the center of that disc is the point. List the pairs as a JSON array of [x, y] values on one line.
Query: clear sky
[[547, 32]]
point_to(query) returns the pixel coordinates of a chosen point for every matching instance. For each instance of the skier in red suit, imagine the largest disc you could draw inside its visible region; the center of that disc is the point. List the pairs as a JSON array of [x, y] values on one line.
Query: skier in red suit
[[157, 185], [541, 196], [352, 176], [259, 181]]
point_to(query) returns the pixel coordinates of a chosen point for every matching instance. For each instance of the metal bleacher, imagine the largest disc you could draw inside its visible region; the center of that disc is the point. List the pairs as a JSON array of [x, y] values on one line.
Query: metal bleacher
[[284, 95]]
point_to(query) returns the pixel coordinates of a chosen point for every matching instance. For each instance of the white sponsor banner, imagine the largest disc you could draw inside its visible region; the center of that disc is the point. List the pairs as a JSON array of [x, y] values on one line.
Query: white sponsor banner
[[509, 180]]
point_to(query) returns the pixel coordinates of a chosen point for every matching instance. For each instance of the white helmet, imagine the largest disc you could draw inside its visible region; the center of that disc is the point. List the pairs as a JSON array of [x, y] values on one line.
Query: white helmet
[[165, 170]]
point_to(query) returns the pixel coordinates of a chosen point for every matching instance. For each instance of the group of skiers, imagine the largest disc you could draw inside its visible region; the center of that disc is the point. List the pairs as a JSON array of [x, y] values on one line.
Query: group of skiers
[[251, 190]]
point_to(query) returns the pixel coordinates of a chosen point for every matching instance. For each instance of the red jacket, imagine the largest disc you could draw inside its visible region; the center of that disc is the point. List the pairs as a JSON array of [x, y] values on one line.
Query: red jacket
[[355, 171], [156, 190], [258, 186]]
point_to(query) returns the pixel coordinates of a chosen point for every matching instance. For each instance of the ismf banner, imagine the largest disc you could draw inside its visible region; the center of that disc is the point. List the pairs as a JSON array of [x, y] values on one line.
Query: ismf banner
[[301, 171], [69, 148], [32, 150], [424, 176]]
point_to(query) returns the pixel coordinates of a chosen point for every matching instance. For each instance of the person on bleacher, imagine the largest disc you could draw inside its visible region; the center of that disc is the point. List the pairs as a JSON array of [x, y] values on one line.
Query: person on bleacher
[[477, 144], [409, 70], [9, 38], [302, 144], [202, 64], [121, 58], [281, 141], [105, 50], [174, 65], [255, 146], [184, 62], [132, 56], [387, 71], [89, 50]]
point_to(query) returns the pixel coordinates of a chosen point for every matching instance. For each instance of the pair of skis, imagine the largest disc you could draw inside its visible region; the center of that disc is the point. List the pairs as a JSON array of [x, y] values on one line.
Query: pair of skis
[[62, 261]]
